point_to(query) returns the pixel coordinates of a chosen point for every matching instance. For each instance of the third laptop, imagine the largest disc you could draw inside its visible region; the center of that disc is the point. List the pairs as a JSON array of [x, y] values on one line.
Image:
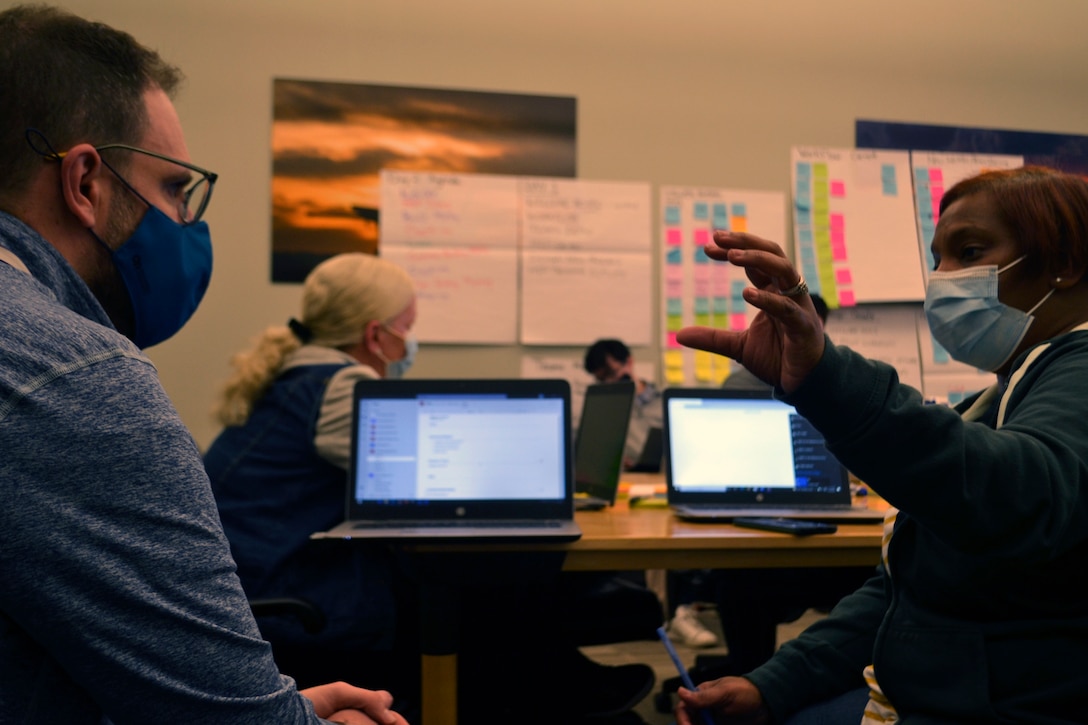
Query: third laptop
[[733, 453]]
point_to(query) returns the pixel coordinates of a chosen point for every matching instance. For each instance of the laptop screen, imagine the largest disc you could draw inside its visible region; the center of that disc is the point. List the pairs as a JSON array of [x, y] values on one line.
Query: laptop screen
[[602, 433], [746, 446], [442, 443]]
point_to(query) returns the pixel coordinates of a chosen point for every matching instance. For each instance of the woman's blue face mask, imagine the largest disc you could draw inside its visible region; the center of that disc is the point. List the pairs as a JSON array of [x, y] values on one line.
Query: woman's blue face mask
[[968, 319], [398, 368]]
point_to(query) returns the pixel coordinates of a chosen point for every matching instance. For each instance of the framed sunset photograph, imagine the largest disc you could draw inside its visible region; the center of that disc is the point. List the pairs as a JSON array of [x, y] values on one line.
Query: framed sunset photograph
[[331, 140]]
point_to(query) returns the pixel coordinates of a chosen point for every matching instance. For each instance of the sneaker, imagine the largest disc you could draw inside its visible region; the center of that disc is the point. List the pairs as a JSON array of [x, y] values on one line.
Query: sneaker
[[686, 628]]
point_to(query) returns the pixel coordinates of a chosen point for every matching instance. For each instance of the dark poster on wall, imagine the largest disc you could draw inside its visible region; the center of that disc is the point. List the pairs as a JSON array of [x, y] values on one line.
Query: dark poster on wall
[[330, 142], [1067, 152]]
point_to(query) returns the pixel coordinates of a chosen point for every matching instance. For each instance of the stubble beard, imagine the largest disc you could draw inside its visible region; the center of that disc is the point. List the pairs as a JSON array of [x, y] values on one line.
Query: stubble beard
[[105, 280]]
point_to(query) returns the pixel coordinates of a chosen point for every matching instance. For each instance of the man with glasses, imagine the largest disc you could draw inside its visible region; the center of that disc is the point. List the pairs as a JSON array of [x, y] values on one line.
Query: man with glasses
[[119, 601]]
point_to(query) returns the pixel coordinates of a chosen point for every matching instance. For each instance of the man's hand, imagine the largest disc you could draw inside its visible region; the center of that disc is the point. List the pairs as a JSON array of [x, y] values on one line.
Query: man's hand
[[343, 703]]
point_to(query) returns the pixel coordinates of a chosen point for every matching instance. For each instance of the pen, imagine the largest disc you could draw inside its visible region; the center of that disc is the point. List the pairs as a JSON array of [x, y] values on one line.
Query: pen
[[684, 676]]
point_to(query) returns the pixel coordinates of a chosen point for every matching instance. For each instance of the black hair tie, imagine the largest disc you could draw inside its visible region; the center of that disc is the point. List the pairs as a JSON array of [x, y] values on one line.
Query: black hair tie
[[303, 333]]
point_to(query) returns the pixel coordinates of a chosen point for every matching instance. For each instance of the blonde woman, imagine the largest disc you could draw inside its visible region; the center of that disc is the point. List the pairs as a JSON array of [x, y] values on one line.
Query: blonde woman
[[278, 467]]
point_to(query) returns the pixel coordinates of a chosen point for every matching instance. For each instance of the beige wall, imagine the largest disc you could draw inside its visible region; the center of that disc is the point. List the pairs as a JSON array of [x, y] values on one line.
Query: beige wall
[[708, 92]]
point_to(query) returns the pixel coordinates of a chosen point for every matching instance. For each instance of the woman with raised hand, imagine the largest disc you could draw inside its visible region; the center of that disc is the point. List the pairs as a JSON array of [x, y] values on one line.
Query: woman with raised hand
[[977, 613]]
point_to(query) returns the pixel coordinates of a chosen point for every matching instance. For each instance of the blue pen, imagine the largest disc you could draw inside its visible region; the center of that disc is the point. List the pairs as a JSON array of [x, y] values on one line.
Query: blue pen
[[684, 676]]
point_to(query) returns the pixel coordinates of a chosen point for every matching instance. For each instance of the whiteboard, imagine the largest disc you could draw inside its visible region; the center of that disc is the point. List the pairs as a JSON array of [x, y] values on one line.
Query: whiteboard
[[576, 297], [933, 173], [435, 209], [853, 224], [888, 333], [463, 294], [696, 289], [586, 269]]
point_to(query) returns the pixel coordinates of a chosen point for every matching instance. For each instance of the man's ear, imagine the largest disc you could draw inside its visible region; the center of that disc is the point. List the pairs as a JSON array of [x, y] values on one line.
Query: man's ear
[[81, 179]]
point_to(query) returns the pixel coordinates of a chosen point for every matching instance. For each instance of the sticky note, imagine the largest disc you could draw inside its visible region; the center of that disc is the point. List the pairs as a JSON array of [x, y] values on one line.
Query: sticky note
[[838, 237], [674, 306], [674, 256], [837, 221], [670, 340], [843, 276], [673, 237], [672, 215], [702, 237], [738, 321], [740, 210], [740, 224], [936, 176], [700, 210], [838, 189], [846, 298]]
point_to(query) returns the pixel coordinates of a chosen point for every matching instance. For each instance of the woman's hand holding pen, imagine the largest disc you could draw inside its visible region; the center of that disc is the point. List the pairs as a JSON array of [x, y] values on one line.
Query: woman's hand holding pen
[[730, 699], [785, 340]]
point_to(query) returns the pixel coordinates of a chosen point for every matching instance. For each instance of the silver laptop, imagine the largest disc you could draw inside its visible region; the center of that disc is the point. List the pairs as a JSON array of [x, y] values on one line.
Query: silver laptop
[[731, 453], [598, 448], [460, 459]]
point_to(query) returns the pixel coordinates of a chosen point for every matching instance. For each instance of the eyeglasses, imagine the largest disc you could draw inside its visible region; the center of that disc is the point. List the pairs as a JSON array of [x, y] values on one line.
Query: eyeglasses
[[192, 200]]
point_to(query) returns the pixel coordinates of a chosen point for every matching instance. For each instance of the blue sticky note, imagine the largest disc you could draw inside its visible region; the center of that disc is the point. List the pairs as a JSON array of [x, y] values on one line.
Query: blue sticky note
[[721, 305], [740, 210], [940, 355], [674, 256], [672, 215], [700, 256], [808, 255], [700, 210], [804, 170], [921, 176], [804, 217], [702, 306], [804, 236], [675, 307]]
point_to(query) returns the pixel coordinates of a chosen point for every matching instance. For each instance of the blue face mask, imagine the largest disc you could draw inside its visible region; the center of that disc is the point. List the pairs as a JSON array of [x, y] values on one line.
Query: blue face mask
[[970, 322], [395, 369], [398, 368], [166, 268]]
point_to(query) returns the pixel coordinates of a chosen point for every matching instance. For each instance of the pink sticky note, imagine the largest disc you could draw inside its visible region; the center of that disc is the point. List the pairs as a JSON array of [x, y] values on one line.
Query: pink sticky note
[[837, 221], [846, 298], [838, 252], [670, 340], [838, 188], [702, 237], [936, 192], [843, 276], [738, 321], [936, 175], [936, 209], [838, 237], [673, 237]]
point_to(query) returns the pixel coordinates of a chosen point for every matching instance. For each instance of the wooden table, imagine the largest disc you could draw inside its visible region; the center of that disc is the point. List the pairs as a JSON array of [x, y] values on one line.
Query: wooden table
[[650, 537]]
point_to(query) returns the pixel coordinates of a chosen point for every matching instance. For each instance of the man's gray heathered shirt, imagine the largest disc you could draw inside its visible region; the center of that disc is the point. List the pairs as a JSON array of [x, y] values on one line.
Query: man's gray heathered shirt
[[118, 597]]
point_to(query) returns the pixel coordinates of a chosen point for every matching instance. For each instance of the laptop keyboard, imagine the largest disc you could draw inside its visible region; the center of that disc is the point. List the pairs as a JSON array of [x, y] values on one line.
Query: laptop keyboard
[[491, 524]]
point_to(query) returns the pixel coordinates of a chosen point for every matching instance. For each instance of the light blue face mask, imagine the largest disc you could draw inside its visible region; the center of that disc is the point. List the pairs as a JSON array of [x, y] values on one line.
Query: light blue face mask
[[395, 369], [970, 322]]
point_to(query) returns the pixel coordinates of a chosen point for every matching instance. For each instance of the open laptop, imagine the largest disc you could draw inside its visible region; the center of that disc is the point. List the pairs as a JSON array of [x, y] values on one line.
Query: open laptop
[[460, 459], [598, 447], [733, 453], [649, 459]]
